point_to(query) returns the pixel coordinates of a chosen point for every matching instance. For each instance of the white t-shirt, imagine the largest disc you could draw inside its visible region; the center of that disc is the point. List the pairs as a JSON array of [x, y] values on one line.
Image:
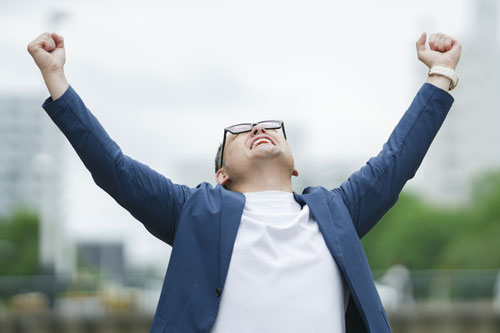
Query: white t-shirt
[[282, 277]]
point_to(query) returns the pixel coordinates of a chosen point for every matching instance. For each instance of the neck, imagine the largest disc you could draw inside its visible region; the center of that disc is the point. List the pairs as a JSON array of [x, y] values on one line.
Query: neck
[[263, 180], [259, 186]]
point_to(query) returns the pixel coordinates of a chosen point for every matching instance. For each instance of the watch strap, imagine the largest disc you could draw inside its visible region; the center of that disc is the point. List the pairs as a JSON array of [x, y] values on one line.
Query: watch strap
[[446, 72]]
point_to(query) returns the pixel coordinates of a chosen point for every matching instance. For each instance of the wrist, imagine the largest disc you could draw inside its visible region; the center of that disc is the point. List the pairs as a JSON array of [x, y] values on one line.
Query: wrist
[[56, 82], [444, 64], [52, 71], [440, 82], [444, 72]]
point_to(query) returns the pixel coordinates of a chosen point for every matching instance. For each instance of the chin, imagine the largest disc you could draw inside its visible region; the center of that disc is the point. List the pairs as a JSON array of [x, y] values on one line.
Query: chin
[[267, 155]]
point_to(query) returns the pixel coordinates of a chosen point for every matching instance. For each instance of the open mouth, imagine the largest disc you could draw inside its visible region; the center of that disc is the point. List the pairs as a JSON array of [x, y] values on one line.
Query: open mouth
[[261, 141]]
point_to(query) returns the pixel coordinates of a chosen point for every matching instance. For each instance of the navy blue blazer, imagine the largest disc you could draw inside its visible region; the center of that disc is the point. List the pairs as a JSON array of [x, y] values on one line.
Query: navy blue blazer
[[201, 223]]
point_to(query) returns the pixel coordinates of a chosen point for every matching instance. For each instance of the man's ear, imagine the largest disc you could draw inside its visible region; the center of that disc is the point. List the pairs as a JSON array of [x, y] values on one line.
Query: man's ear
[[295, 172], [221, 177]]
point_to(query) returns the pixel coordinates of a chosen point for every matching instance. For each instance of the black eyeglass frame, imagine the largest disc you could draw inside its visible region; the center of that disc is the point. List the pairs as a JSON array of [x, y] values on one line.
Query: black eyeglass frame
[[251, 125]]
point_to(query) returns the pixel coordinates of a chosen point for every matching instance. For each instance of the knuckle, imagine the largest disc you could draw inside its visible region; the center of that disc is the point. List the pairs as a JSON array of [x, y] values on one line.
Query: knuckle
[[31, 47], [46, 36]]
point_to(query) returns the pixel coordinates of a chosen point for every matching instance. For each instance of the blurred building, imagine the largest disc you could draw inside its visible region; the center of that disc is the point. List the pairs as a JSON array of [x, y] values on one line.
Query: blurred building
[[20, 143], [31, 171], [107, 258], [467, 144]]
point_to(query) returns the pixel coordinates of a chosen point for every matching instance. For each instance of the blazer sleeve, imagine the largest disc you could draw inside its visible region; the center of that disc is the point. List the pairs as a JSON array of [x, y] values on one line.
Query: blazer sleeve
[[150, 197], [371, 191]]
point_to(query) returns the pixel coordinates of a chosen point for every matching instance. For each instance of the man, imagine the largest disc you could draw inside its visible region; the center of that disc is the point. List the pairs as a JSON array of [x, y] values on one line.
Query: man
[[250, 255]]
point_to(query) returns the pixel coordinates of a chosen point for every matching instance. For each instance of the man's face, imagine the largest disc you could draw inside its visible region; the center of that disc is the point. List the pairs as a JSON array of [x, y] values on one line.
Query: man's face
[[245, 153]]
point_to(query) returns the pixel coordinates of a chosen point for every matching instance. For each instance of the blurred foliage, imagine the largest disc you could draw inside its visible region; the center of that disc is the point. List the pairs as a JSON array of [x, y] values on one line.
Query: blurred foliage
[[420, 235], [19, 243]]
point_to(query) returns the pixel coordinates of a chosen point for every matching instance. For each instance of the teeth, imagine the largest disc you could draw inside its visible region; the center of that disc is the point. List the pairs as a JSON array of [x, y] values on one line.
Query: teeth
[[259, 141]]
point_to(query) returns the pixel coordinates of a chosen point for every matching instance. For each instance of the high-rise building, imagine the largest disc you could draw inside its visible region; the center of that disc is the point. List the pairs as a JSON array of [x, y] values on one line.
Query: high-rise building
[[20, 144]]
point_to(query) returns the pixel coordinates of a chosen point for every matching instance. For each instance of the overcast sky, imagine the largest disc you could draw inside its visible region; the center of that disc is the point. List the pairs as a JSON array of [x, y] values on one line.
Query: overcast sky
[[165, 77]]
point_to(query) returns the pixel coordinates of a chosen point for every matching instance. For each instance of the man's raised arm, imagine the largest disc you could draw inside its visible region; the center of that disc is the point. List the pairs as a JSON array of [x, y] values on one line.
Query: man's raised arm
[[150, 197], [372, 190]]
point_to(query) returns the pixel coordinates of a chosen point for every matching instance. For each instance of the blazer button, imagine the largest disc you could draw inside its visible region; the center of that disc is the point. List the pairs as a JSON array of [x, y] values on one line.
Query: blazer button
[[218, 292]]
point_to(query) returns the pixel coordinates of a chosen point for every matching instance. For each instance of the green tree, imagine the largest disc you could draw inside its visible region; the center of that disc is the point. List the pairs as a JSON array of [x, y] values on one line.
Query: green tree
[[421, 235], [19, 243], [477, 246]]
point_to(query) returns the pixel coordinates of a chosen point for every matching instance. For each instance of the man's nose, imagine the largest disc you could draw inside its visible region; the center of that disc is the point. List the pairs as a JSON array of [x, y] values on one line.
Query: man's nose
[[259, 128]]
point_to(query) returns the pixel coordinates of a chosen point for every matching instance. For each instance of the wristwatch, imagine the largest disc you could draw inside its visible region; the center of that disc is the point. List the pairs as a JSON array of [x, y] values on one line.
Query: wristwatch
[[446, 72]]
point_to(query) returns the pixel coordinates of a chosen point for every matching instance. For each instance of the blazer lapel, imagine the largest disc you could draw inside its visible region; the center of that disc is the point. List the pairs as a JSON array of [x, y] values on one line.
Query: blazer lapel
[[319, 208]]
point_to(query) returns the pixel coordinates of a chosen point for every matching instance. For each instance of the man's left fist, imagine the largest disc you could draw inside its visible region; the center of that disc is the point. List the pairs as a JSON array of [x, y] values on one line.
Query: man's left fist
[[443, 50]]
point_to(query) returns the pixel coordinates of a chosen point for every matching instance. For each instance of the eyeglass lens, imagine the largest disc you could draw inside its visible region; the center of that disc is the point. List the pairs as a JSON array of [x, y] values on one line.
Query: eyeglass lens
[[240, 128]]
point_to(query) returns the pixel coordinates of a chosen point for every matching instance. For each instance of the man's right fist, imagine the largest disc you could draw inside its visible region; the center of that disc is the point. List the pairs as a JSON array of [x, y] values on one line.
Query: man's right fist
[[443, 50], [48, 52]]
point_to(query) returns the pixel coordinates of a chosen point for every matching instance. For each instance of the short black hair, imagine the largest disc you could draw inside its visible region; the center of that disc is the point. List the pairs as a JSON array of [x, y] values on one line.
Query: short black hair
[[217, 158]]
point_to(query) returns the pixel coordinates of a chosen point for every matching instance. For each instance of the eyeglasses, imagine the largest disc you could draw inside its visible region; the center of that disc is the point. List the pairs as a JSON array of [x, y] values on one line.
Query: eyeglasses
[[247, 127]]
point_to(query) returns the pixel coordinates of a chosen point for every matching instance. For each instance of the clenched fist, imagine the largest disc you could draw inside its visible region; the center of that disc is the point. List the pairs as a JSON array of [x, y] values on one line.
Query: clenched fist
[[48, 52], [443, 50]]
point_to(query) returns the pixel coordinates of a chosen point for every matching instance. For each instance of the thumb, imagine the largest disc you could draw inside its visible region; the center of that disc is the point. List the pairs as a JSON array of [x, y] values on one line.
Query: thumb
[[421, 42], [58, 39]]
